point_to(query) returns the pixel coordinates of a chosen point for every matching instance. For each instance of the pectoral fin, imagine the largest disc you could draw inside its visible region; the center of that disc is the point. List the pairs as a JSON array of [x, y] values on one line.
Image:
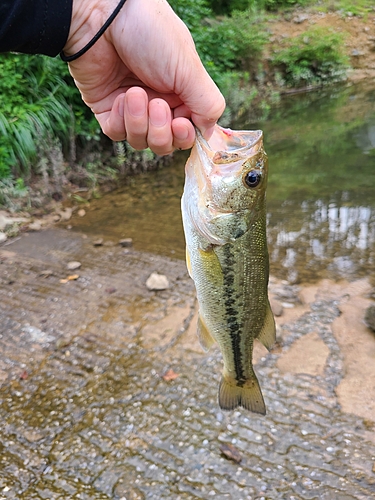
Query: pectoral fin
[[188, 262], [204, 336], [267, 335]]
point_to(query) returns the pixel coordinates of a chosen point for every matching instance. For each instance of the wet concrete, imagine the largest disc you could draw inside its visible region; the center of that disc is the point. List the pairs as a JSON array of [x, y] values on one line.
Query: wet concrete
[[86, 413]]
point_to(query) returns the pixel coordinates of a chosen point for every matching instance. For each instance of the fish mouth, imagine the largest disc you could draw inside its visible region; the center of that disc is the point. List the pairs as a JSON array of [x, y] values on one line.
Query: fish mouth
[[227, 146]]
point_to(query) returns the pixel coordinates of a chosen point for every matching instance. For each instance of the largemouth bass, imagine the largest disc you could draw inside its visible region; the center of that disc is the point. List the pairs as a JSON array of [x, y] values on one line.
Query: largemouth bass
[[224, 218]]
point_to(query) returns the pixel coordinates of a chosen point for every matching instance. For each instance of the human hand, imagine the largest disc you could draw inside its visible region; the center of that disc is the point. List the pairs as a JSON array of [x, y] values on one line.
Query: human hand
[[143, 78]]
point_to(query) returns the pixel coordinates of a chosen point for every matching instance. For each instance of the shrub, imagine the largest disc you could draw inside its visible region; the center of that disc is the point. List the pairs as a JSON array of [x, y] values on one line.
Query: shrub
[[38, 104], [273, 5], [228, 6], [355, 7], [223, 43], [312, 58], [239, 94]]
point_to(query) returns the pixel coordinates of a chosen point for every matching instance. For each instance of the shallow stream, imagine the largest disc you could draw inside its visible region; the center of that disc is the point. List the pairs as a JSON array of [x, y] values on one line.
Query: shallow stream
[[321, 194]]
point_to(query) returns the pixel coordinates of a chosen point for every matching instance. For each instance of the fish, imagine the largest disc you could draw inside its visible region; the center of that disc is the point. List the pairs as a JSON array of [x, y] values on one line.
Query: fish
[[224, 219]]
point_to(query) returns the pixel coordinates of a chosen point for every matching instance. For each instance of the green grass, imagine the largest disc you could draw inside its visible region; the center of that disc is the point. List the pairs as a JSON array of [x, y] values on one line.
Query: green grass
[[355, 7], [312, 58]]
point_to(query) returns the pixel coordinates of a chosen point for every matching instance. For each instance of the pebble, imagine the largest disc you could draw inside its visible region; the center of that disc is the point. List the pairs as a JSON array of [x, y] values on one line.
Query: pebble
[[3, 237], [277, 307], [98, 242], [35, 226], [46, 273], [33, 436], [81, 212], [300, 18], [370, 317], [288, 293], [279, 334], [73, 265], [66, 214], [157, 282], [287, 305], [126, 242], [5, 220]]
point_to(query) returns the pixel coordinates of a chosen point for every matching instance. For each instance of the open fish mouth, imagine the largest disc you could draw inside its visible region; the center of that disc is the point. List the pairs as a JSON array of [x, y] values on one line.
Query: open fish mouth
[[225, 146]]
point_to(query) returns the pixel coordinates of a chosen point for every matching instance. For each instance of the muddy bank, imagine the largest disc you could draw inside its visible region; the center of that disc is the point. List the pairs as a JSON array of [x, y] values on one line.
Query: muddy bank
[[106, 393]]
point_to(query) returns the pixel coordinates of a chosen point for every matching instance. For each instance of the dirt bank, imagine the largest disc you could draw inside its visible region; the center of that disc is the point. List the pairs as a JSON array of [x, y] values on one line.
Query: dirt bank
[[359, 36]]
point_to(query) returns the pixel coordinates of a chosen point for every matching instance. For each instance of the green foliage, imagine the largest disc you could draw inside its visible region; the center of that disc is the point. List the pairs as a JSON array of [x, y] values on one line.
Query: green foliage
[[274, 5], [239, 94], [38, 104], [192, 12], [11, 191], [354, 7], [312, 58], [43, 119], [226, 7], [223, 43]]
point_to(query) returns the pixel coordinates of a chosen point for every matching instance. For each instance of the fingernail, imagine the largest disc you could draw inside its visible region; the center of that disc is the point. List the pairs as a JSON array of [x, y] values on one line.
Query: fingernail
[[136, 107], [183, 135], [207, 133], [158, 117]]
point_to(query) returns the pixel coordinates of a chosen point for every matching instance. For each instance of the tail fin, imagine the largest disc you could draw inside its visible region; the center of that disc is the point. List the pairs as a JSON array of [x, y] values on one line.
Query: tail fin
[[248, 395]]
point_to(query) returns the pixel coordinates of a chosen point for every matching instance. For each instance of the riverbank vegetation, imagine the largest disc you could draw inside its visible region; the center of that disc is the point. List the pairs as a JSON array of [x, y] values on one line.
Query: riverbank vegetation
[[50, 139]]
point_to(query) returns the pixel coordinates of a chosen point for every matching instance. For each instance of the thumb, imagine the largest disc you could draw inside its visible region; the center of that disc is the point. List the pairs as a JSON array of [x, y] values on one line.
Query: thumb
[[204, 100]]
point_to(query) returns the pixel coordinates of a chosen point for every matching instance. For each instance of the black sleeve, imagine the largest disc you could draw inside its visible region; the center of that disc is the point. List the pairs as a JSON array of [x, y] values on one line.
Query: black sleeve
[[34, 26]]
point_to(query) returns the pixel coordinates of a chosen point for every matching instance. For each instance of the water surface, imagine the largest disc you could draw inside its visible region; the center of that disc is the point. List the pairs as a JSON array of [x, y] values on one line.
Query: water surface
[[321, 194]]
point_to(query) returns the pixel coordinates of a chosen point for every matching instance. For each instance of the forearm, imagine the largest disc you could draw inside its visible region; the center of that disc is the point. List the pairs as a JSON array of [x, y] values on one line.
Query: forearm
[[34, 26]]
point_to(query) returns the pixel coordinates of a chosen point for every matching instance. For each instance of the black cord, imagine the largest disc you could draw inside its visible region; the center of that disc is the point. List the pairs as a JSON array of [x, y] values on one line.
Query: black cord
[[95, 38]]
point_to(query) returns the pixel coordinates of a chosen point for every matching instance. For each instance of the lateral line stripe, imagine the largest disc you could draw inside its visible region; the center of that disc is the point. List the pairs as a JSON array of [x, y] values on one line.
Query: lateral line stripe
[[232, 316]]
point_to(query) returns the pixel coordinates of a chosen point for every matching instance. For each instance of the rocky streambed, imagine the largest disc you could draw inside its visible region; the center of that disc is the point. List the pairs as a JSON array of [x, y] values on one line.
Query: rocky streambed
[[106, 393]]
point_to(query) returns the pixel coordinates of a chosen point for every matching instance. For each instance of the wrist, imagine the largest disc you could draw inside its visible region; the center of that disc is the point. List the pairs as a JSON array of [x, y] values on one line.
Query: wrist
[[88, 16]]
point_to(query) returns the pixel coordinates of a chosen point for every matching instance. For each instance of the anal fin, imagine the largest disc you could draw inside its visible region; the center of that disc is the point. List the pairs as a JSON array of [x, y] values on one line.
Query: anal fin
[[248, 395], [267, 335], [204, 336]]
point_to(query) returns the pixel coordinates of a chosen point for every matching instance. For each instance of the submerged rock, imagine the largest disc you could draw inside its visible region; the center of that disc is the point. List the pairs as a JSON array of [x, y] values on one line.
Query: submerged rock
[[126, 242]]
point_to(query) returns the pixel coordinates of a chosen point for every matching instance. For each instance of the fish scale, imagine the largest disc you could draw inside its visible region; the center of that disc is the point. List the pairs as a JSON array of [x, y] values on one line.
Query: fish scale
[[225, 229]]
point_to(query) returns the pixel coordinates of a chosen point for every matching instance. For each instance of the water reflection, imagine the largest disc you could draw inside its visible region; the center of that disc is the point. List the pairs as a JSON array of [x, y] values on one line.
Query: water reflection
[[332, 240], [321, 192], [366, 139]]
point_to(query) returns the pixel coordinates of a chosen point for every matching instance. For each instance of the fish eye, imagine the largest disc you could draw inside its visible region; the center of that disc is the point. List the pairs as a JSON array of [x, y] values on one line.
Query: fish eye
[[252, 178]]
